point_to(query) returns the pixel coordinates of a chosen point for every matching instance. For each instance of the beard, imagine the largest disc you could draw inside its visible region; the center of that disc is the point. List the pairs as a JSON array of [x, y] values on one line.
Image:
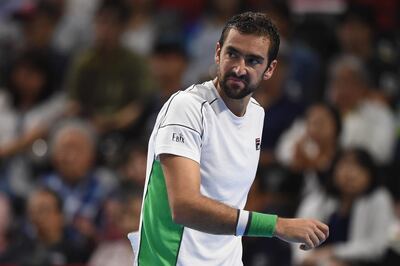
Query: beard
[[235, 91]]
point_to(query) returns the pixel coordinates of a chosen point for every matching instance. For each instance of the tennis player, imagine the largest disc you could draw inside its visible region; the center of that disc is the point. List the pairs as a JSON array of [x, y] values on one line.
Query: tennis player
[[202, 159]]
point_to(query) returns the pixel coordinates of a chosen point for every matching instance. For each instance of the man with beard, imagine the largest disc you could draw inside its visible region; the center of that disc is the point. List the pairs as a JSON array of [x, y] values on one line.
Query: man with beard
[[202, 159]]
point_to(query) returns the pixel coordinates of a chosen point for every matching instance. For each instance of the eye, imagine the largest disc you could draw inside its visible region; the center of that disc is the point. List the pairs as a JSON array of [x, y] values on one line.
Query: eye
[[253, 61], [231, 54]]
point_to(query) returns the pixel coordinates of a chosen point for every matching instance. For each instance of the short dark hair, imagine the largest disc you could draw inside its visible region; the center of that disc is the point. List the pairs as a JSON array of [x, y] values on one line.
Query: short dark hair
[[254, 23], [363, 159], [335, 114], [58, 200], [35, 60]]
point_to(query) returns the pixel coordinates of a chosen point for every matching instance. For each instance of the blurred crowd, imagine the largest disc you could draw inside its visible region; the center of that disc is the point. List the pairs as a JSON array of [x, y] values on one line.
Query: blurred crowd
[[82, 81]]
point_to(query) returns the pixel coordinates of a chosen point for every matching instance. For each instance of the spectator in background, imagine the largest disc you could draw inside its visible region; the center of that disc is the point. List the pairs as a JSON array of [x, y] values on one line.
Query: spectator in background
[[367, 123], [82, 186], [202, 41], [281, 109], [108, 83], [39, 27], [309, 147], [357, 36], [28, 107], [278, 192], [37, 24], [122, 214], [357, 210], [303, 65], [49, 243], [74, 31], [141, 29], [133, 168], [168, 64]]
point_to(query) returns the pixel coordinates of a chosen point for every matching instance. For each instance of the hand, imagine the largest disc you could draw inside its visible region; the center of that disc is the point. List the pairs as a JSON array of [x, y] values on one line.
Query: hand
[[309, 232]]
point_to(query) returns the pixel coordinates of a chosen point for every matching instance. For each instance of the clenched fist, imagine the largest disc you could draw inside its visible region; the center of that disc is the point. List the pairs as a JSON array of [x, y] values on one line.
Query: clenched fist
[[309, 232]]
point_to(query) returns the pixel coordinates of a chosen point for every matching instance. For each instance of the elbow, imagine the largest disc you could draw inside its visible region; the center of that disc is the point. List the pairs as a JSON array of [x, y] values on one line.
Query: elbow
[[181, 213], [178, 218]]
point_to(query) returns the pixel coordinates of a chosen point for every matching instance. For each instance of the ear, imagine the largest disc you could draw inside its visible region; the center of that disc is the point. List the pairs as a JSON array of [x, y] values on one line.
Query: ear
[[217, 53], [270, 70]]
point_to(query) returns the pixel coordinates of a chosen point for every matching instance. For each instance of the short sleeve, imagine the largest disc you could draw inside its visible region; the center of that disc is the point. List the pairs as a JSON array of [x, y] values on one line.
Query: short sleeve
[[181, 129]]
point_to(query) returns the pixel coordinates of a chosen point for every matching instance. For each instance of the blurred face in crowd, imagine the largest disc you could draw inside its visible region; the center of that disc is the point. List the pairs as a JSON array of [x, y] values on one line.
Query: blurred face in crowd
[[39, 30], [108, 29], [346, 89], [321, 125], [44, 212], [242, 63], [168, 67], [135, 168], [28, 81], [350, 177], [354, 35], [73, 154]]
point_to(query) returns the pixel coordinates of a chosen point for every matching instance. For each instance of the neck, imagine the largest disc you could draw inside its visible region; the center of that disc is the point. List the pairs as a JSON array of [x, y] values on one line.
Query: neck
[[236, 106]]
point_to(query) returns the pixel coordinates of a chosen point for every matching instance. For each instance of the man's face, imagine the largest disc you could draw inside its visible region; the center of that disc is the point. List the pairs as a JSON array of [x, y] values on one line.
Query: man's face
[[73, 154], [346, 89], [242, 63]]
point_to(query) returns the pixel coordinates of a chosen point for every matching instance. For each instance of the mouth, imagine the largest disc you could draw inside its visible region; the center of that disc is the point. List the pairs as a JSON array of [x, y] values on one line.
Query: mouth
[[236, 80]]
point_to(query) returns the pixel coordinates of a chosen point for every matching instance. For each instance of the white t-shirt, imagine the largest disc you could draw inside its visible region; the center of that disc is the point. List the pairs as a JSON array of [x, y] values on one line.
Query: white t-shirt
[[196, 124]]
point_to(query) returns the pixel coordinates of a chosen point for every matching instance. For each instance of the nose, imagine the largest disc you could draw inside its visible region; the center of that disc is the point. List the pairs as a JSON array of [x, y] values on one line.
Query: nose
[[240, 67]]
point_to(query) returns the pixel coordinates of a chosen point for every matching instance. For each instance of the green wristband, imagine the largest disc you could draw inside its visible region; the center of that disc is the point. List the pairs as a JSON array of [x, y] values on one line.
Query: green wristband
[[261, 224]]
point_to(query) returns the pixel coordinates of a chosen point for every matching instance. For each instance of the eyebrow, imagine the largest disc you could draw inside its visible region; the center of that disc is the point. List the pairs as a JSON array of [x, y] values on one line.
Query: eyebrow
[[252, 56]]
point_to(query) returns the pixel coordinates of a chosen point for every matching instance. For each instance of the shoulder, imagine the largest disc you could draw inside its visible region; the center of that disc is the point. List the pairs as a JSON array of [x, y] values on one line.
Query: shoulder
[[377, 110], [381, 196], [256, 106], [255, 103], [191, 98]]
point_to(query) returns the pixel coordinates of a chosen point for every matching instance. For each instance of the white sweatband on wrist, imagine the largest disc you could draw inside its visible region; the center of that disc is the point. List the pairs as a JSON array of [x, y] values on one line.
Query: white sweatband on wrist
[[242, 222]]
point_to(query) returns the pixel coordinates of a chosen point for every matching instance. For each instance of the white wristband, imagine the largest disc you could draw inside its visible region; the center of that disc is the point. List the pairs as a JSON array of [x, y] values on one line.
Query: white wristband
[[242, 222]]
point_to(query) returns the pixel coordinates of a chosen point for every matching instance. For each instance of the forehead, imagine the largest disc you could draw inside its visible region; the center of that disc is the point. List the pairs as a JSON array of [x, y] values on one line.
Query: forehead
[[248, 43], [40, 198]]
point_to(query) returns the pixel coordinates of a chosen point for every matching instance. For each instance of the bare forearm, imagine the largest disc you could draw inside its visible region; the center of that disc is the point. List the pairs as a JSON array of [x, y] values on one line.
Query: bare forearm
[[192, 209], [206, 215]]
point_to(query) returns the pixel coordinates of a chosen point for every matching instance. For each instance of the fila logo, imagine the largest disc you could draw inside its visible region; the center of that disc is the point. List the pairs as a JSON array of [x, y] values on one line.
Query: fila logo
[[178, 137], [258, 144]]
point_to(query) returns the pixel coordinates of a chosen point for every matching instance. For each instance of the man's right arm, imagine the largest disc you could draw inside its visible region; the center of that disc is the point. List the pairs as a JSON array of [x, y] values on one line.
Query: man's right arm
[[190, 208]]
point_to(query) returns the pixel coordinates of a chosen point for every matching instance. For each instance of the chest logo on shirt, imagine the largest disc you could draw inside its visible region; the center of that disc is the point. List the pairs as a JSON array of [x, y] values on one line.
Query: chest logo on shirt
[[258, 144], [178, 137]]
